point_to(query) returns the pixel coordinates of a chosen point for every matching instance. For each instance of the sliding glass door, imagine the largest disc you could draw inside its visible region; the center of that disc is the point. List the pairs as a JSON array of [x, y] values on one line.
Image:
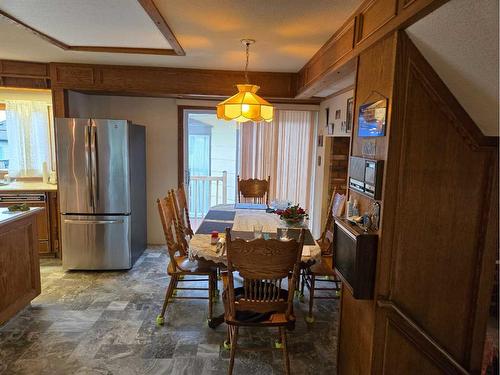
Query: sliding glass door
[[210, 160]]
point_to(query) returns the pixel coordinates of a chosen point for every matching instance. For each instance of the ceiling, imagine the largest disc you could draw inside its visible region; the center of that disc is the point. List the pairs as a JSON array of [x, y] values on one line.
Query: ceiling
[[87, 23], [288, 32], [460, 41], [344, 77]]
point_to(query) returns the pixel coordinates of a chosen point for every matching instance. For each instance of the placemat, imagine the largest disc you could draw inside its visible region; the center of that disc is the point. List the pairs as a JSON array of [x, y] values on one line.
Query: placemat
[[220, 215], [250, 206], [208, 226]]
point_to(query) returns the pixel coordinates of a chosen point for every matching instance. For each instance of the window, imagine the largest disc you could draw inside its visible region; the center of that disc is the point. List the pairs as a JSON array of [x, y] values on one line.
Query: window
[[26, 133], [4, 158]]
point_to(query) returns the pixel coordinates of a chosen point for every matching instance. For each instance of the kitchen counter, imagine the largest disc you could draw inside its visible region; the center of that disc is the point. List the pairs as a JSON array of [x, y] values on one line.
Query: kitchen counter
[[19, 186], [20, 267], [8, 217]]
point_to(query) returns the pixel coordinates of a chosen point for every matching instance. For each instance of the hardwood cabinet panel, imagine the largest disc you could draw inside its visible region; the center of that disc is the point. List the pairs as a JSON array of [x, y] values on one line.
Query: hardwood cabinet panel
[[47, 222], [73, 74], [373, 16], [20, 272], [43, 247], [402, 357], [355, 334], [53, 209], [24, 68], [42, 223], [336, 48]]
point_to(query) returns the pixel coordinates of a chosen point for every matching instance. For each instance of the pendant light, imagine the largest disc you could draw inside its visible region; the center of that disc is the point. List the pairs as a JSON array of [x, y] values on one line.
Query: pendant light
[[246, 105]]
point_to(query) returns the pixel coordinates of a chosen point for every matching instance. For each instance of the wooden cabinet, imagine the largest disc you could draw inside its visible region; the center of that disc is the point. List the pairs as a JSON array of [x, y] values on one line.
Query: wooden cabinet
[[20, 270], [47, 220]]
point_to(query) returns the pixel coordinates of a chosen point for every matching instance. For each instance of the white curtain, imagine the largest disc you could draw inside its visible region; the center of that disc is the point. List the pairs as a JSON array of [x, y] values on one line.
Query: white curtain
[[28, 137], [282, 149]]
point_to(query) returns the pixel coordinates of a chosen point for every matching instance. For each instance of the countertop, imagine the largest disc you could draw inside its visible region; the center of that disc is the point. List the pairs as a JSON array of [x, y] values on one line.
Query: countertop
[[27, 186], [7, 217]]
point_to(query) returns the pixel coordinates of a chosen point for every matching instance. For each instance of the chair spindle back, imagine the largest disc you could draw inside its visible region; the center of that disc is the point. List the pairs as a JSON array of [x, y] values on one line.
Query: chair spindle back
[[254, 189], [166, 209], [263, 264]]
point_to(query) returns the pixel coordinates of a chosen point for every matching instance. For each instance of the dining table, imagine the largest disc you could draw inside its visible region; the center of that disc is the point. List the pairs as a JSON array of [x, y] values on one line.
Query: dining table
[[241, 219]]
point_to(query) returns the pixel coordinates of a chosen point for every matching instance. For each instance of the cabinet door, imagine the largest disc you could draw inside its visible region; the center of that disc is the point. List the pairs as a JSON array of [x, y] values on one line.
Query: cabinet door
[[42, 224]]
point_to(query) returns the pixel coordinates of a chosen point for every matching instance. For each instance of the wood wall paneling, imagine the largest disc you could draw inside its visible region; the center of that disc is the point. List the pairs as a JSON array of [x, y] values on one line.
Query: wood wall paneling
[[24, 74], [435, 272], [60, 104], [373, 21], [167, 81], [72, 75], [374, 77], [355, 334], [24, 69], [339, 46], [374, 15], [409, 350]]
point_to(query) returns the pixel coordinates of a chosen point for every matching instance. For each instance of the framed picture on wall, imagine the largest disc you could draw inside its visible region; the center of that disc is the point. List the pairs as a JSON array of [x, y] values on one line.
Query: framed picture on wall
[[338, 113], [372, 119], [327, 116], [349, 114]]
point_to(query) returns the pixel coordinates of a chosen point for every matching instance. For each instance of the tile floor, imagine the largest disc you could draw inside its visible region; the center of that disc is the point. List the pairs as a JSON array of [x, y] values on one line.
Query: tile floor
[[104, 323]]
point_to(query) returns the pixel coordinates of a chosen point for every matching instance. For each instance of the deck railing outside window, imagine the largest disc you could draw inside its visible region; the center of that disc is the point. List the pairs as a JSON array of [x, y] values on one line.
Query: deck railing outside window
[[205, 192]]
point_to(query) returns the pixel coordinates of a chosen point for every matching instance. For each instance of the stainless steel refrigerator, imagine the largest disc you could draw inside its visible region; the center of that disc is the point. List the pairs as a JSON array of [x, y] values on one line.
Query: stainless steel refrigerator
[[101, 174]]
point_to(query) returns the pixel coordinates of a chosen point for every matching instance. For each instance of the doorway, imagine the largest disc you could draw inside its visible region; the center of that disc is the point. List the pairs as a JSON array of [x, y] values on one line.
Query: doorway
[[209, 162]]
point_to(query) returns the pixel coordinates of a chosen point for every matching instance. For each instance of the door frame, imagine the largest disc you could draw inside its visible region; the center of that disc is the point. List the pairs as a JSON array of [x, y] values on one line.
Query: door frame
[[181, 110]]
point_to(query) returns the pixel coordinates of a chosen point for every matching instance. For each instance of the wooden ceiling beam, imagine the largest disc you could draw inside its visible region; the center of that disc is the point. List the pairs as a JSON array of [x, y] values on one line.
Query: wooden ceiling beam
[[162, 25], [176, 82], [143, 51]]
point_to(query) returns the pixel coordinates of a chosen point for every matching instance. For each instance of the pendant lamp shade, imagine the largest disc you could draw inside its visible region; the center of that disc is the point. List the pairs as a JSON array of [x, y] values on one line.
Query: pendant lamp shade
[[246, 105]]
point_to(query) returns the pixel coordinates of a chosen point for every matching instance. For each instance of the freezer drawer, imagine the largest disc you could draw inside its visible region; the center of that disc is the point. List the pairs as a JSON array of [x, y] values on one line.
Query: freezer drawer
[[95, 242]]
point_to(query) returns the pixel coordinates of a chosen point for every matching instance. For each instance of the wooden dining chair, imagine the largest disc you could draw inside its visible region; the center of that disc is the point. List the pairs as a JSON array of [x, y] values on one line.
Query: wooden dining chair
[[180, 265], [257, 191], [183, 210], [322, 272], [262, 301]]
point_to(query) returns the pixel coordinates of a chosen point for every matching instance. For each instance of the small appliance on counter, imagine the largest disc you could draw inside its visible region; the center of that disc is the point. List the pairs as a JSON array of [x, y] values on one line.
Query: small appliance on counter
[[101, 170]]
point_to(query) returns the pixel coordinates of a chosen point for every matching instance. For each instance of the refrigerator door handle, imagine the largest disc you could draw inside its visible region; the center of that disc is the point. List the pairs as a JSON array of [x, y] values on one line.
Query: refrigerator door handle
[[95, 164], [85, 222], [88, 162]]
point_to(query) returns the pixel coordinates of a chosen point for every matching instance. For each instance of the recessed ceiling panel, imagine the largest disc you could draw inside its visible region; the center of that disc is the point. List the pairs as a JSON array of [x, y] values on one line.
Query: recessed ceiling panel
[[288, 32], [109, 23]]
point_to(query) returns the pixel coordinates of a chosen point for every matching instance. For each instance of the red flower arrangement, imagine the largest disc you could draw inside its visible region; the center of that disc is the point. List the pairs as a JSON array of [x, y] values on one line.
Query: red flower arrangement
[[292, 214]]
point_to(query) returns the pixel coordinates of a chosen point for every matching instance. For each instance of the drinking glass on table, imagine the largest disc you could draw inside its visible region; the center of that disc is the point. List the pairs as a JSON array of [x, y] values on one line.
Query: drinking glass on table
[[257, 231], [283, 234]]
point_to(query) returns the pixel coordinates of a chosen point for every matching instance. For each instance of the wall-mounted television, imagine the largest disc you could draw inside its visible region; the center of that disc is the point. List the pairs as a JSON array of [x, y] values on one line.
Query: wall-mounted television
[[372, 119]]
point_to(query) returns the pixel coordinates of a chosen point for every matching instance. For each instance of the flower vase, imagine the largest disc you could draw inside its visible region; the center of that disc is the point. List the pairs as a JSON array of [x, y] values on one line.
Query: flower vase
[[294, 223]]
